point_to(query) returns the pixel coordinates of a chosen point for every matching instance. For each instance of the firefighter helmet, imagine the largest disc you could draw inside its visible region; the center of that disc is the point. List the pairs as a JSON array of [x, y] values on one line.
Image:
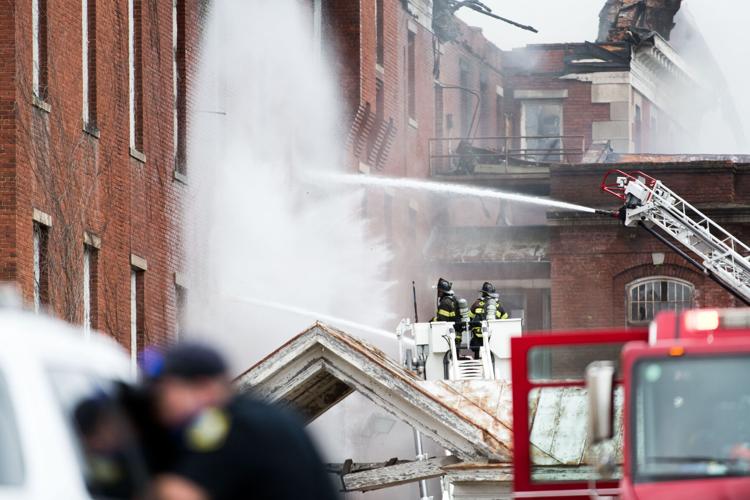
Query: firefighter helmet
[[444, 285], [488, 288]]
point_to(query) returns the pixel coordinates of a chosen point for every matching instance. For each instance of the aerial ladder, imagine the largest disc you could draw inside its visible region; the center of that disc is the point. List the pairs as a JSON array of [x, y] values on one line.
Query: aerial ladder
[[649, 204]]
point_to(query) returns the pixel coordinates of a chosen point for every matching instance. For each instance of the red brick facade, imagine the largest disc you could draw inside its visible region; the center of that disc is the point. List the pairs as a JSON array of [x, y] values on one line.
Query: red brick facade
[[86, 181]]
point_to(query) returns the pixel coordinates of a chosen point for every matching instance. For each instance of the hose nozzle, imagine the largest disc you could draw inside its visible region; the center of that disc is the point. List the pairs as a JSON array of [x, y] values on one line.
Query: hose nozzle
[[608, 213]]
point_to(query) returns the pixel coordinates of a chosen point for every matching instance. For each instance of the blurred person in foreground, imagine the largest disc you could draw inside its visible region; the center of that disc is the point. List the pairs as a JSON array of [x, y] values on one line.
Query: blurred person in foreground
[[222, 445]]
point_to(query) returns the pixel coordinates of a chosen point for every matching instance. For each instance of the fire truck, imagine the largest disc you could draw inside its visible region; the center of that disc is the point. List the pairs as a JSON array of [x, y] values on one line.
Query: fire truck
[[675, 398]]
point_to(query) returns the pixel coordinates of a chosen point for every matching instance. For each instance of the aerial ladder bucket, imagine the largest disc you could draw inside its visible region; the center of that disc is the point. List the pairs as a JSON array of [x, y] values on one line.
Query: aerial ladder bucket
[[649, 203]]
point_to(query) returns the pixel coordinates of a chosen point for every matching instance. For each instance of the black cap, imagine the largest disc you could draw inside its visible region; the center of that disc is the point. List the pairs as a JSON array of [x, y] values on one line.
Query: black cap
[[444, 285], [192, 361], [488, 288]]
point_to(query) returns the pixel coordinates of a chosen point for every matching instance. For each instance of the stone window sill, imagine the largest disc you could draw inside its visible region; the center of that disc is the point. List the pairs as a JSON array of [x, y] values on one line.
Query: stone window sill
[[91, 130], [134, 153], [38, 102], [180, 177]]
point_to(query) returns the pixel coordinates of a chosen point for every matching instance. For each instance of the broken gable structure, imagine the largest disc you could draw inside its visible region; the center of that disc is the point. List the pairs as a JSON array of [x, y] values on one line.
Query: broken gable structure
[[471, 419]]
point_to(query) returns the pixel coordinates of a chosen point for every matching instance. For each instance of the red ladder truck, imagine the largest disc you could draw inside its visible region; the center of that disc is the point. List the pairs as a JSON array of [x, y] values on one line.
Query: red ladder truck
[[675, 397]]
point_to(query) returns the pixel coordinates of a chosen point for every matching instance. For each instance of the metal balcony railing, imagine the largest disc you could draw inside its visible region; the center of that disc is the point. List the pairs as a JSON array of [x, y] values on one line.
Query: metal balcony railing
[[473, 155]]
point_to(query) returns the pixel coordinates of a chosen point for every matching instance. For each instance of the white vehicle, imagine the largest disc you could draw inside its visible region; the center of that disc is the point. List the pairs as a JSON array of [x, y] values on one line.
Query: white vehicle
[[47, 368]]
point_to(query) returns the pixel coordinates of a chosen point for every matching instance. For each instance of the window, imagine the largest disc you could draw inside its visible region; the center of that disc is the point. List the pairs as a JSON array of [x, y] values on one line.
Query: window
[[637, 130], [135, 60], [41, 266], [569, 362], [90, 279], [466, 108], [89, 63], [646, 297], [11, 463], [137, 335], [542, 128], [411, 74], [379, 32], [99, 429], [182, 297], [439, 114], [499, 118], [180, 85], [690, 410], [40, 71]]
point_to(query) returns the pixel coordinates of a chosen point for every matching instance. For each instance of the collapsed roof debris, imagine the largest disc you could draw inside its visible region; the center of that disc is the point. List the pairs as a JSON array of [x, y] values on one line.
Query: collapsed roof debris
[[619, 20], [472, 419]]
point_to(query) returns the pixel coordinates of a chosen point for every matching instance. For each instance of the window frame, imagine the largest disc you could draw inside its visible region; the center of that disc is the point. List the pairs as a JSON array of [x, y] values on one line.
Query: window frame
[[40, 244], [653, 279], [137, 315], [411, 74], [525, 137]]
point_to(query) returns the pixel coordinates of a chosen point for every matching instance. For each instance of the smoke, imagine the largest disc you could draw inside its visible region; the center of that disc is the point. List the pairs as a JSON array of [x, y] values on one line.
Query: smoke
[[265, 117], [269, 252], [708, 36], [705, 42]]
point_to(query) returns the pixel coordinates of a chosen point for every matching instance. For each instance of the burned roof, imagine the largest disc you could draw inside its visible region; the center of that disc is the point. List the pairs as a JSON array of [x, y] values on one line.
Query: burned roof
[[621, 19], [583, 57]]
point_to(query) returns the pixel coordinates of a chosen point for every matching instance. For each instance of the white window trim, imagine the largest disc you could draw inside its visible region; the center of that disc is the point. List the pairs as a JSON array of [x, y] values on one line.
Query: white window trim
[[131, 73], [175, 81], [87, 250], [37, 268], [35, 47], [133, 321], [85, 59], [629, 287]]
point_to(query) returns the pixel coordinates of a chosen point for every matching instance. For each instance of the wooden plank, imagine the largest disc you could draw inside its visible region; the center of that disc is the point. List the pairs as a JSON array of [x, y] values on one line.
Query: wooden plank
[[395, 475]]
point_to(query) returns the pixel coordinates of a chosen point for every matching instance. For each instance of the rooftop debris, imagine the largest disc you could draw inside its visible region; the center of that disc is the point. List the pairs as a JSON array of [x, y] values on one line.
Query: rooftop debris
[[619, 20]]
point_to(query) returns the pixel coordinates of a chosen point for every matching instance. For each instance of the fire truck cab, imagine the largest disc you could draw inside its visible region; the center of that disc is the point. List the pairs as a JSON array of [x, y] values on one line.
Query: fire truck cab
[[687, 407]]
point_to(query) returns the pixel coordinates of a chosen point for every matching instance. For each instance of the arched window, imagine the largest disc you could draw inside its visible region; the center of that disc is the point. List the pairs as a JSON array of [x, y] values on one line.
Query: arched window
[[648, 296]]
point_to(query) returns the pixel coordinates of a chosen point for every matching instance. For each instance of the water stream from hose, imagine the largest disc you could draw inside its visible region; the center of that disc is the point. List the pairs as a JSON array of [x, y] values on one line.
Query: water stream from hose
[[453, 189], [319, 316]]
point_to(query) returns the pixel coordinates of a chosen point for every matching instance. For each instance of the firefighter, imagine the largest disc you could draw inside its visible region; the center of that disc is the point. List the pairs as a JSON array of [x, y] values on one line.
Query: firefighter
[[228, 446], [447, 304], [479, 314]]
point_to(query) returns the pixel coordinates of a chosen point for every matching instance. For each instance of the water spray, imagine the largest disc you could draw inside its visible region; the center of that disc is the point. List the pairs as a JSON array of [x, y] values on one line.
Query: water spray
[[446, 188], [326, 318]]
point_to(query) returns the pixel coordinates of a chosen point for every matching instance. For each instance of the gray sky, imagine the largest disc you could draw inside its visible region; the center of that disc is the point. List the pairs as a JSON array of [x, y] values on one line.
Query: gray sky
[[722, 23]]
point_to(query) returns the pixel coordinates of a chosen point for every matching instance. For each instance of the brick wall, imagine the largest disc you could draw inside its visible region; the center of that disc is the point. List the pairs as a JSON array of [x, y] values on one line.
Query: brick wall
[[8, 254], [87, 181], [593, 259]]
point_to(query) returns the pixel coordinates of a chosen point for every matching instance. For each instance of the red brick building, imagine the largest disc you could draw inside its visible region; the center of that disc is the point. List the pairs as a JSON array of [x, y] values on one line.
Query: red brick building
[[431, 98], [92, 113]]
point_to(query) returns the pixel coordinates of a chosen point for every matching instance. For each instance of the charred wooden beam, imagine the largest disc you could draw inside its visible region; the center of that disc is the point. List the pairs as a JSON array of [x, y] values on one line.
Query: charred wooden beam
[[394, 475]]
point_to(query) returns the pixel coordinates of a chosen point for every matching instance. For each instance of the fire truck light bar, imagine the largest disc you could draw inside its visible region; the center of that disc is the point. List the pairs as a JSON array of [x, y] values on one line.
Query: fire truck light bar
[[704, 320]]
